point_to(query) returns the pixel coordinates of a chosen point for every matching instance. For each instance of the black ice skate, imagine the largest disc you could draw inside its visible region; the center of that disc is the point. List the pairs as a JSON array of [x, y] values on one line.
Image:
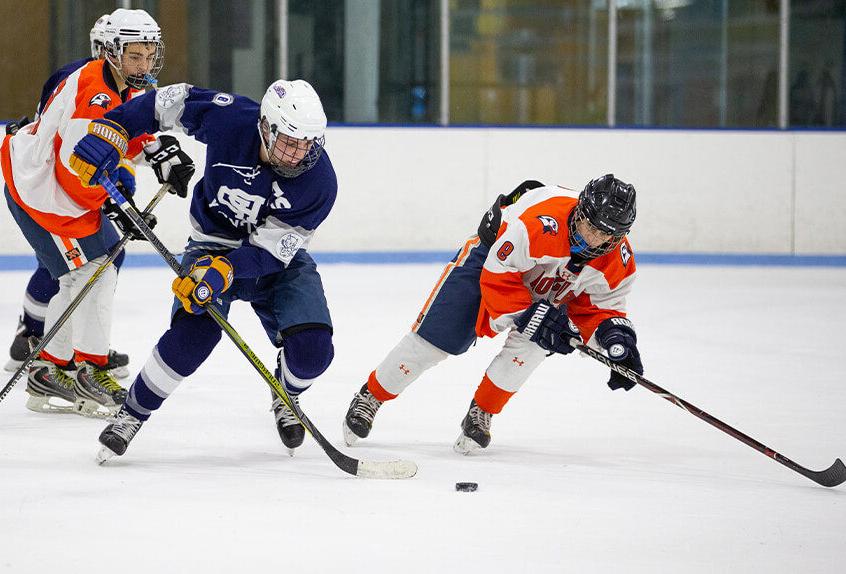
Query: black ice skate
[[22, 344], [116, 437], [359, 419], [99, 393], [290, 430], [19, 350], [118, 364], [50, 388], [475, 430]]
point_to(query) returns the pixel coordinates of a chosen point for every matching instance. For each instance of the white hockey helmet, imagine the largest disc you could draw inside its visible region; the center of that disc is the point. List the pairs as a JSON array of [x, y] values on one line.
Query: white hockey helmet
[[96, 36], [292, 125], [124, 27]]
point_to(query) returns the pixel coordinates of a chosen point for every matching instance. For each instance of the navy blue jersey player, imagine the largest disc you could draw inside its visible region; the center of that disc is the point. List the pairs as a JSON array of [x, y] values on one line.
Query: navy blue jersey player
[[268, 184]]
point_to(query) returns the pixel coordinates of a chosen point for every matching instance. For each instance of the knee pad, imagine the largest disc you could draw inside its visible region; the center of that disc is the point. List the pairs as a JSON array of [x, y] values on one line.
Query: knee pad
[[306, 352]]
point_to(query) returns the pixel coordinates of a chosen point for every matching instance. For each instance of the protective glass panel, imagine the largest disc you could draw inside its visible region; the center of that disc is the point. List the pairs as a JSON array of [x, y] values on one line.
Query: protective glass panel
[[817, 48], [528, 62], [697, 63]]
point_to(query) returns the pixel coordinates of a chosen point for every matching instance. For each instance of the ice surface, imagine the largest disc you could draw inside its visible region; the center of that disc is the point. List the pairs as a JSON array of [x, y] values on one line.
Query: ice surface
[[577, 478]]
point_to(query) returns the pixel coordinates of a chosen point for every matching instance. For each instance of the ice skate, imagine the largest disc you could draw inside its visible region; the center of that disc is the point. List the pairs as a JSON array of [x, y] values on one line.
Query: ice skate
[[359, 419], [116, 437], [118, 364], [19, 350], [290, 430], [475, 430], [100, 395], [50, 388]]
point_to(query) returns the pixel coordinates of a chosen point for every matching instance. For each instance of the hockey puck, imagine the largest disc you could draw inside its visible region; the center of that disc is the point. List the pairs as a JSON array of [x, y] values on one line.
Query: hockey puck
[[466, 486]]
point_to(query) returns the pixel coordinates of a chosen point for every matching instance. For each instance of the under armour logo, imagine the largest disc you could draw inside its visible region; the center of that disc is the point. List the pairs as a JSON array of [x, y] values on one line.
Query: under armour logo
[[518, 361], [405, 370]]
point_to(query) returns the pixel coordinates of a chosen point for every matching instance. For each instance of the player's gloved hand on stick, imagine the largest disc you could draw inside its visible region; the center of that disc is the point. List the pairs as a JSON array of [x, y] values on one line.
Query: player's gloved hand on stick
[[548, 326], [99, 151], [171, 164], [122, 220], [618, 337], [208, 276], [124, 178]]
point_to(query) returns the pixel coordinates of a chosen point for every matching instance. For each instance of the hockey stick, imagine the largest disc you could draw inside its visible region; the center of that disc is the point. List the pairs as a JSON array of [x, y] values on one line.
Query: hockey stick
[[356, 467], [45, 340], [832, 476]]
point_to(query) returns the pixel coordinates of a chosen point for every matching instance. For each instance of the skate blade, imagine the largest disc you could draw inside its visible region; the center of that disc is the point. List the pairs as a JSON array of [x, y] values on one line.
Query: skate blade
[[120, 372], [465, 445], [105, 454], [350, 438], [50, 405], [290, 451], [12, 365], [94, 410]]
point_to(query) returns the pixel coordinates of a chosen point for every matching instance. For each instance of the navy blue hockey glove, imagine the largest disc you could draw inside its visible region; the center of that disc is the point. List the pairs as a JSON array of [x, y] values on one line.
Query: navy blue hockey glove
[[124, 178], [170, 163], [99, 151], [617, 336], [548, 326], [122, 220]]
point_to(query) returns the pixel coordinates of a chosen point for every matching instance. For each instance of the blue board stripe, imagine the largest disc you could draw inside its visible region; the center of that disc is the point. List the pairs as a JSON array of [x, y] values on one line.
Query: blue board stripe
[[25, 262]]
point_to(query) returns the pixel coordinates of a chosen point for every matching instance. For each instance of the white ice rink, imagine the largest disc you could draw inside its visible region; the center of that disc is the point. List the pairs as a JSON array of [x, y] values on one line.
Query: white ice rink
[[577, 478]]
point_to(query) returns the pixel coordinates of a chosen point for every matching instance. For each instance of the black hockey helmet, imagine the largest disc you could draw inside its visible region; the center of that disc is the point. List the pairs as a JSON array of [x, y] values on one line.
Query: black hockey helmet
[[608, 204]]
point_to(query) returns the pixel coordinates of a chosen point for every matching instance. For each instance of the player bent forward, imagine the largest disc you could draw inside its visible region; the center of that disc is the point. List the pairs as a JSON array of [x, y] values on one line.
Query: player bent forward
[[63, 221], [268, 184], [545, 267]]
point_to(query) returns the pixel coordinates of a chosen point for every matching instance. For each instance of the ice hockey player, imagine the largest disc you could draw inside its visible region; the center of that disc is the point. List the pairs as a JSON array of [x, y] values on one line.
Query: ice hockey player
[[42, 286], [268, 184], [544, 267], [63, 221]]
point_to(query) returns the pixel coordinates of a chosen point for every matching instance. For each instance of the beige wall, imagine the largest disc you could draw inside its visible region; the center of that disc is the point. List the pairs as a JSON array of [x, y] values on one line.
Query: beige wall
[[24, 55]]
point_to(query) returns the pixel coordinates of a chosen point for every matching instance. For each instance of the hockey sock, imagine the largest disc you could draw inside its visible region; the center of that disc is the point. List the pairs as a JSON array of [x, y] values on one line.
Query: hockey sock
[[39, 291], [179, 352]]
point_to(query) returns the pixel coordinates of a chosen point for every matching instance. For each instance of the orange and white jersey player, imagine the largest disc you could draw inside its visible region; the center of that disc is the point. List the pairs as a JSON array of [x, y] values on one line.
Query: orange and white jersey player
[[62, 219], [545, 267]]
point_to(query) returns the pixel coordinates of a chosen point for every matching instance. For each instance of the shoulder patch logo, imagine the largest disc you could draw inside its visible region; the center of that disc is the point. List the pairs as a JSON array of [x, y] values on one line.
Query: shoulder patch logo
[[550, 224], [223, 99], [288, 245], [103, 100], [625, 254], [167, 97]]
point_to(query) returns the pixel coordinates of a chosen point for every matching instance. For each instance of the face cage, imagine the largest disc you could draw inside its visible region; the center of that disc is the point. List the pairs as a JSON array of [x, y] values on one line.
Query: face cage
[[308, 162], [579, 247], [137, 82]]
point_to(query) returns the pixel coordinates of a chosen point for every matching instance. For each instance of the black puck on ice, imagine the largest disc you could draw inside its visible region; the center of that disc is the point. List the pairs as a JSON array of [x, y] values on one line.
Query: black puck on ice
[[466, 486]]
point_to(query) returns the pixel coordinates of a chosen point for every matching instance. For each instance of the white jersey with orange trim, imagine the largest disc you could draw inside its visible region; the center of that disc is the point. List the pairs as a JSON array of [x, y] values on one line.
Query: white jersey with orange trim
[[35, 161], [529, 262]]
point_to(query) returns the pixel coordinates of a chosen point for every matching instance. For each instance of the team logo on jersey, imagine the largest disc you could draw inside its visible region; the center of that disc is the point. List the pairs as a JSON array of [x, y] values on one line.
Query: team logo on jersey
[[245, 207], [72, 254], [167, 97], [247, 172], [550, 224], [288, 245], [222, 99], [101, 99], [625, 254]]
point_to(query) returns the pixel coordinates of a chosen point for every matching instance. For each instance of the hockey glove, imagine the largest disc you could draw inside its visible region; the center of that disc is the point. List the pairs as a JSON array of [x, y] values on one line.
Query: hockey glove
[[124, 178], [209, 276], [617, 336], [122, 220], [100, 150], [171, 164], [548, 326]]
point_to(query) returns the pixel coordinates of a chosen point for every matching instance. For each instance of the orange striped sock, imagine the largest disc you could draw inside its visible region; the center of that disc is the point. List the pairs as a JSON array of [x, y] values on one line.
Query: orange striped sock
[[490, 397]]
